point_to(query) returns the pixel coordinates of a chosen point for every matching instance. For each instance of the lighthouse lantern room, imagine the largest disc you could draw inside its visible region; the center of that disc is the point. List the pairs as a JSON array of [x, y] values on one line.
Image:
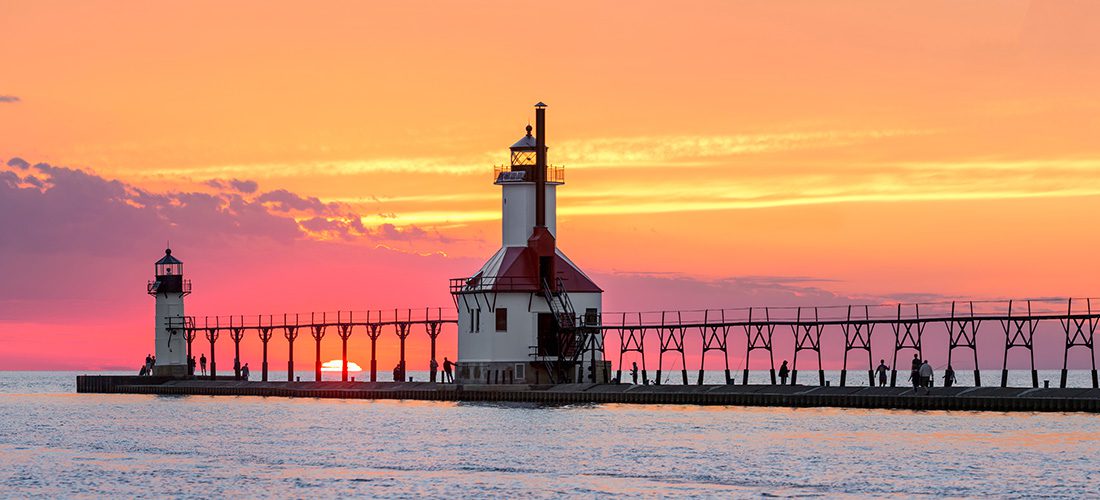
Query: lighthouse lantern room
[[169, 288], [529, 315]]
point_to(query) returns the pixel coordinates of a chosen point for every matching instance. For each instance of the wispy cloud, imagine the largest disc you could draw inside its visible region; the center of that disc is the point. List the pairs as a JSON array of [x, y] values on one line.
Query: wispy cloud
[[648, 151], [782, 187], [9, 98], [656, 151]]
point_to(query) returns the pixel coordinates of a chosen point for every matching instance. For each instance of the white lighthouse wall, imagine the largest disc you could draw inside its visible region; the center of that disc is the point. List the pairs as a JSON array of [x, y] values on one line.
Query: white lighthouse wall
[[483, 352], [518, 210], [170, 348]]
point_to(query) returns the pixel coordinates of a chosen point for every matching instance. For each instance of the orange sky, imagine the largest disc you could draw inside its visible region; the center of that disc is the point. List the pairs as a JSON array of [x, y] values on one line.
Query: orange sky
[[866, 149]]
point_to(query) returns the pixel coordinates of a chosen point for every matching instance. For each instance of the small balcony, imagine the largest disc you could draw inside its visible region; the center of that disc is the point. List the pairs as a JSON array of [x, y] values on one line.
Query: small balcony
[[505, 174], [482, 284], [169, 286]]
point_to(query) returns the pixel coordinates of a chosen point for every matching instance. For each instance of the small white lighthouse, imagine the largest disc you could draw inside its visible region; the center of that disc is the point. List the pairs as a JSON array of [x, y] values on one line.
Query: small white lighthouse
[[169, 287], [529, 315]]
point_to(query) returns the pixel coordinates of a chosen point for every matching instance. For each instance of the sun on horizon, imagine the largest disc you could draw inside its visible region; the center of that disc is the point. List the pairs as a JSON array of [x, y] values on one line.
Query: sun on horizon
[[337, 365]]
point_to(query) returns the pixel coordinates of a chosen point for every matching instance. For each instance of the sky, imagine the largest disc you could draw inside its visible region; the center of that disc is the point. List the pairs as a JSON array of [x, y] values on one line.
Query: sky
[[338, 156]]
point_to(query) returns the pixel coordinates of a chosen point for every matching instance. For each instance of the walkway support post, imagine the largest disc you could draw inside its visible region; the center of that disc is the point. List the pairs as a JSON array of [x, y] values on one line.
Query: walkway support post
[[1019, 332], [189, 334], [755, 339], [265, 335], [403, 331], [374, 331], [317, 330], [857, 335], [962, 331], [290, 332], [1080, 332], [236, 333], [344, 331], [433, 329], [212, 336]]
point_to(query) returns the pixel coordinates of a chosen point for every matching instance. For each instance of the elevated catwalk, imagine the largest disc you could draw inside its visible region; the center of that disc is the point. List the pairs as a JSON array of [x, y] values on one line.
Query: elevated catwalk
[[943, 398]]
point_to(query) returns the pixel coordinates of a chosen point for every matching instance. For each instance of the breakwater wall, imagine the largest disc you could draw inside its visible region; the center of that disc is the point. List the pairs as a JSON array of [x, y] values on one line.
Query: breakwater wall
[[940, 398]]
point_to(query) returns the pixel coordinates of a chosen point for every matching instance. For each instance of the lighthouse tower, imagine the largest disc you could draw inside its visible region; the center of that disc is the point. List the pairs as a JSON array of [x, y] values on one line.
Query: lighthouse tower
[[529, 315], [169, 288]]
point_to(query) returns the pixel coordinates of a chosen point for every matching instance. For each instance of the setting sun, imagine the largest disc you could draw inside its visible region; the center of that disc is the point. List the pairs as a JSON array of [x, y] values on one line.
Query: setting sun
[[335, 366]]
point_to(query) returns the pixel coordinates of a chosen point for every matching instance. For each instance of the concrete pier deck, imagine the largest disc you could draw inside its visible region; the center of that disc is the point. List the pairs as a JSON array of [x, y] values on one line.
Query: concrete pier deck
[[938, 398]]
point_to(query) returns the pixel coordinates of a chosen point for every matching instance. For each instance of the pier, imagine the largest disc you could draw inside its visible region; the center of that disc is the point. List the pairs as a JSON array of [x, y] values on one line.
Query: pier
[[943, 398], [667, 335]]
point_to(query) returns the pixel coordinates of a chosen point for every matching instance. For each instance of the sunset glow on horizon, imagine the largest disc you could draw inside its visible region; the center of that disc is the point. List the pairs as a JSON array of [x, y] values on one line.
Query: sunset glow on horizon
[[337, 365], [716, 155]]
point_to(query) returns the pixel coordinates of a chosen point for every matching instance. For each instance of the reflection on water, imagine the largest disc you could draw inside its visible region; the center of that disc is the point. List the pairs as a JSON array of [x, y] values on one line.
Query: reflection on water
[[127, 445]]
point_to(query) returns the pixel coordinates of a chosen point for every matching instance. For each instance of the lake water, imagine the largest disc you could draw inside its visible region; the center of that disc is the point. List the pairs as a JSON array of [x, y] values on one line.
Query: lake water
[[54, 442]]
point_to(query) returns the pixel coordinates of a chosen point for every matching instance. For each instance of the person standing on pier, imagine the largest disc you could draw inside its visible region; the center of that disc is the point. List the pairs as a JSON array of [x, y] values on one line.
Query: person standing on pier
[[949, 377], [202, 363], [433, 365], [448, 370], [191, 366], [148, 364], [634, 372], [244, 372], [925, 375], [914, 374], [882, 369], [783, 372]]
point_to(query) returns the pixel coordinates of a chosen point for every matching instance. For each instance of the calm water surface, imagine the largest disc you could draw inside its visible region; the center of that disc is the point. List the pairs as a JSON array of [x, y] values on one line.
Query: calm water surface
[[57, 443]]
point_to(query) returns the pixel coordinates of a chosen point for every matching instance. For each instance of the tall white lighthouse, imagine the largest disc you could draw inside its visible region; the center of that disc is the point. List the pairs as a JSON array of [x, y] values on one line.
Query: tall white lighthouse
[[529, 315], [169, 288]]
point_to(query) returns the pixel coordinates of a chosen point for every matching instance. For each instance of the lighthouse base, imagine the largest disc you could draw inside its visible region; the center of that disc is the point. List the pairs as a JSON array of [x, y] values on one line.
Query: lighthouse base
[[177, 371], [527, 372]]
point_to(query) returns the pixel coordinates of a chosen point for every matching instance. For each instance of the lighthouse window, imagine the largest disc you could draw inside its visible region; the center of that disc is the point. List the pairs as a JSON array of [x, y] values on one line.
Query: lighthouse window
[[502, 319], [475, 320]]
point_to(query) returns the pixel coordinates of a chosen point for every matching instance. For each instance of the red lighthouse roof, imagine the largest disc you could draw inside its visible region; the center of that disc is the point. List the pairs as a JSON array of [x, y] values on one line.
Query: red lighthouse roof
[[515, 269]]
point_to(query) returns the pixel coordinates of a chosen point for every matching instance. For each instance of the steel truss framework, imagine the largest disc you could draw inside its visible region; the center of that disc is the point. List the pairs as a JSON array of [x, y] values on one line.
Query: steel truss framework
[[1019, 322], [345, 323]]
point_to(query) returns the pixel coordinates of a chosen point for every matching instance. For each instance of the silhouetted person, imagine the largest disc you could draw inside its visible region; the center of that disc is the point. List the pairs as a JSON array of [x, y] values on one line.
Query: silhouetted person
[[144, 370], [148, 364], [925, 374], [448, 370], [433, 365], [783, 372], [949, 377], [244, 371], [397, 372], [882, 369], [914, 373], [202, 363], [191, 366], [634, 372]]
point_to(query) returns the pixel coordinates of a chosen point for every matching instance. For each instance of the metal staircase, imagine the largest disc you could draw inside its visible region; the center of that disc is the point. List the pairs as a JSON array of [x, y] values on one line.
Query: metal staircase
[[575, 337]]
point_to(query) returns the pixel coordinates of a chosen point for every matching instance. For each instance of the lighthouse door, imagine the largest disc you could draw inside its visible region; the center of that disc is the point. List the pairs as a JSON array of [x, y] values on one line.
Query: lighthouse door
[[548, 335]]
